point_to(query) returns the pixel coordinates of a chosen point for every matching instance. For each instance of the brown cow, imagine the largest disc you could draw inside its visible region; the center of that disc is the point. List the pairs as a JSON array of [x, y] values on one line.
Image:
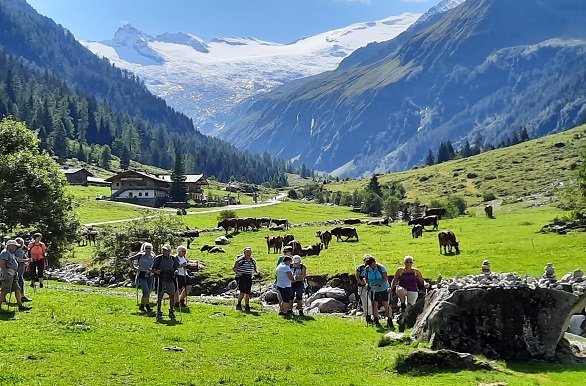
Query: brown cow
[[417, 231], [325, 237], [424, 221], [295, 245], [439, 212], [312, 250], [288, 238], [488, 211], [347, 232], [352, 221], [264, 221], [227, 224], [281, 221], [275, 242], [447, 240]]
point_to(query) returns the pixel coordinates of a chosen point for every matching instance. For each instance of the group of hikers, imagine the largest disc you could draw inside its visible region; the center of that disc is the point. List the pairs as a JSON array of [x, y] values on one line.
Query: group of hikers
[[16, 258], [166, 273]]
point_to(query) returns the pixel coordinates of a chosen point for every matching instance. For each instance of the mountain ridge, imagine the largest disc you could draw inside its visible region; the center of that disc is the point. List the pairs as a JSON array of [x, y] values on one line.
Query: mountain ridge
[[476, 71]]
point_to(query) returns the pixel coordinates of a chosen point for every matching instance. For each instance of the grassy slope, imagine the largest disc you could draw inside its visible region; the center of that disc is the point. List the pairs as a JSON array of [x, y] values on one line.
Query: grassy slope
[[95, 339], [529, 167]]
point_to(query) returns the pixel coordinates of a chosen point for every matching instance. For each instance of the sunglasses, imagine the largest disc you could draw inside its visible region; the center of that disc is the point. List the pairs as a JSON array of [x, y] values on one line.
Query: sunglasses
[[408, 262]]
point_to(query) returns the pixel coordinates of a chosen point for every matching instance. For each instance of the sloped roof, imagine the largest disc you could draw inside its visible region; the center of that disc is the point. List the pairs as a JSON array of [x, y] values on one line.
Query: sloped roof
[[190, 178], [97, 180], [75, 170], [130, 172]]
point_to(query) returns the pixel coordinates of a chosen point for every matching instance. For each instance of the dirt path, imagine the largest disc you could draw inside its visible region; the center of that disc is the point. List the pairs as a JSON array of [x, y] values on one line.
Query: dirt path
[[273, 201]]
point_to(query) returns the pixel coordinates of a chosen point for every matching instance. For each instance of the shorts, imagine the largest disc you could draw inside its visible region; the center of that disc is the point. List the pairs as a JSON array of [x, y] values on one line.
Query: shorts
[[411, 295], [183, 281], [381, 296], [9, 284], [167, 286], [245, 283], [37, 268], [297, 289], [286, 294]]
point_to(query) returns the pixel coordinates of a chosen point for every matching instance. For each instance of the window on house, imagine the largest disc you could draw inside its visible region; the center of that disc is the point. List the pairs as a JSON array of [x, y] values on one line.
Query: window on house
[[130, 194], [146, 194], [140, 194]]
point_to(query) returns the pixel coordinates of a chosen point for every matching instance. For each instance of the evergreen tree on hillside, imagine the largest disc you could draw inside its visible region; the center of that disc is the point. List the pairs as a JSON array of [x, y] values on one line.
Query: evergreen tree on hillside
[[106, 157], [374, 186], [60, 141], [125, 158], [429, 158], [178, 190]]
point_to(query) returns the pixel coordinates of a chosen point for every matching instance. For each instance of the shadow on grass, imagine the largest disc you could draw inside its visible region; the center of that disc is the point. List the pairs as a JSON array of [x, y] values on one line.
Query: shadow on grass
[[299, 319], [7, 315], [542, 366], [168, 322]]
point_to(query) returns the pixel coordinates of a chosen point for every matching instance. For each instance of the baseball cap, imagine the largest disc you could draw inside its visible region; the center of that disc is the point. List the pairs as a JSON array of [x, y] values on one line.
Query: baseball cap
[[296, 259], [166, 248], [12, 242]]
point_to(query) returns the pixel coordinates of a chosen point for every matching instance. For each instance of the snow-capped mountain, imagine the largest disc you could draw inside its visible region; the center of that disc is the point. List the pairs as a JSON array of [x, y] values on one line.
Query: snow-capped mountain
[[207, 80]]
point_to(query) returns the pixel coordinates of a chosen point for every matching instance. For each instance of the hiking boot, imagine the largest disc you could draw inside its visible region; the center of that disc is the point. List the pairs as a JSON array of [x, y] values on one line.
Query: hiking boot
[[159, 315], [182, 303], [41, 285], [239, 307], [247, 308], [24, 308], [390, 323], [376, 321], [401, 327], [176, 305], [301, 313], [25, 299], [172, 314], [141, 308], [148, 308], [33, 283], [282, 313]]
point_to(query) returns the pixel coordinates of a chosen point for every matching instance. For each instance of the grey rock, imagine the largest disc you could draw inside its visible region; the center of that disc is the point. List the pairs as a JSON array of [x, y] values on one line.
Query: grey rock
[[329, 292], [430, 361], [271, 297], [328, 305], [510, 324]]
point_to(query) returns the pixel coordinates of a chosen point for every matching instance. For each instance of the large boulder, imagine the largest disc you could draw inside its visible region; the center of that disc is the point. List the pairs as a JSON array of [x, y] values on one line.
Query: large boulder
[[506, 323], [329, 292], [328, 306]]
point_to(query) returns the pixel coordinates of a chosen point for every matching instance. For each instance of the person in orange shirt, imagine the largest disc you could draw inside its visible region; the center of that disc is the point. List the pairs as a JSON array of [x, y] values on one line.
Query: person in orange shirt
[[37, 251]]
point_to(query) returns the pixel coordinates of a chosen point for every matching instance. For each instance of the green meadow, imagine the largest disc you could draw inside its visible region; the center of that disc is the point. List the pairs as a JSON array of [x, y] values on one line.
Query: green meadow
[[79, 338]]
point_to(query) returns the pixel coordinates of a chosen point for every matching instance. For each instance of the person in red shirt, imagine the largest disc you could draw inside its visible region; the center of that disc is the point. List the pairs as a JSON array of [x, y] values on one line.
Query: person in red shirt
[[37, 252]]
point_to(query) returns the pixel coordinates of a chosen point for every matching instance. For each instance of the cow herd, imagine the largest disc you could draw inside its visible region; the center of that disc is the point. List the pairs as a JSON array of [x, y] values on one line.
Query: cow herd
[[253, 223]]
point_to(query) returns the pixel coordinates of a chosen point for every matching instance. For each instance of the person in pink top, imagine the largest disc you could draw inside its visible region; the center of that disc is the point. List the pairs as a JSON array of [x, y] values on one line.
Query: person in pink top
[[37, 251]]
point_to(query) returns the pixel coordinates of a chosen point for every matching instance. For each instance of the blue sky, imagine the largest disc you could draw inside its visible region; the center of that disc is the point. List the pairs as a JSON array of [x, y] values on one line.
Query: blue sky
[[281, 21]]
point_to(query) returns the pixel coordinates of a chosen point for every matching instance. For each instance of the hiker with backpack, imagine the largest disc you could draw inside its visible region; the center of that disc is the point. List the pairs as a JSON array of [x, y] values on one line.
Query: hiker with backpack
[[299, 272], [287, 251], [406, 283], [183, 279], [22, 259], [378, 281], [37, 251], [244, 268], [165, 268], [144, 277], [362, 287], [284, 279], [9, 274]]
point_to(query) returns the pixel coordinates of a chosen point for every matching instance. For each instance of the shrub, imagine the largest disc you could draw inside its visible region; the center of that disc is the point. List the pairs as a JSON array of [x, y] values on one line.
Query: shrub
[[488, 196], [292, 194], [226, 214], [372, 203]]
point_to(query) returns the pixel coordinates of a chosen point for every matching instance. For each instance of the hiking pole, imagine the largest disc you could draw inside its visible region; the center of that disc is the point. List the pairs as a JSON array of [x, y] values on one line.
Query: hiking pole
[[366, 312]]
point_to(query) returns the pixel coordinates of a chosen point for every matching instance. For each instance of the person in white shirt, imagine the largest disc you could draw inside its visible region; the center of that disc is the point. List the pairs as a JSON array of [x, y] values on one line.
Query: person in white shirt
[[183, 279], [284, 280]]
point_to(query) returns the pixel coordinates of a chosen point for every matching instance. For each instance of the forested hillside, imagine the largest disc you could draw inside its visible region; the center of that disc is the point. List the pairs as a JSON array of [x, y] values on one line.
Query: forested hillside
[[75, 100]]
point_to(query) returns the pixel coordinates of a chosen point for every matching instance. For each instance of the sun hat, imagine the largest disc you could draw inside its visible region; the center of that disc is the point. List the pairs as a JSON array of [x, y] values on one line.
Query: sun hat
[[12, 242], [166, 248]]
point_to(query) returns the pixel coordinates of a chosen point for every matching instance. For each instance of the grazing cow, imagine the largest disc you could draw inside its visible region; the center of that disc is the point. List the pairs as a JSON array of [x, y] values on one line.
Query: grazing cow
[[281, 221], [488, 211], [352, 221], [439, 212], [447, 240], [347, 232], [312, 250], [247, 223], [384, 221], [275, 242], [189, 233], [425, 221], [91, 236], [264, 221], [222, 240], [288, 238], [417, 231], [227, 224], [295, 245], [325, 237], [212, 249], [276, 228]]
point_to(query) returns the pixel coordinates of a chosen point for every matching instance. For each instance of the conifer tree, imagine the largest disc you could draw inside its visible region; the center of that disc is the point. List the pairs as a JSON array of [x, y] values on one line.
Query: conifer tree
[[178, 190]]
